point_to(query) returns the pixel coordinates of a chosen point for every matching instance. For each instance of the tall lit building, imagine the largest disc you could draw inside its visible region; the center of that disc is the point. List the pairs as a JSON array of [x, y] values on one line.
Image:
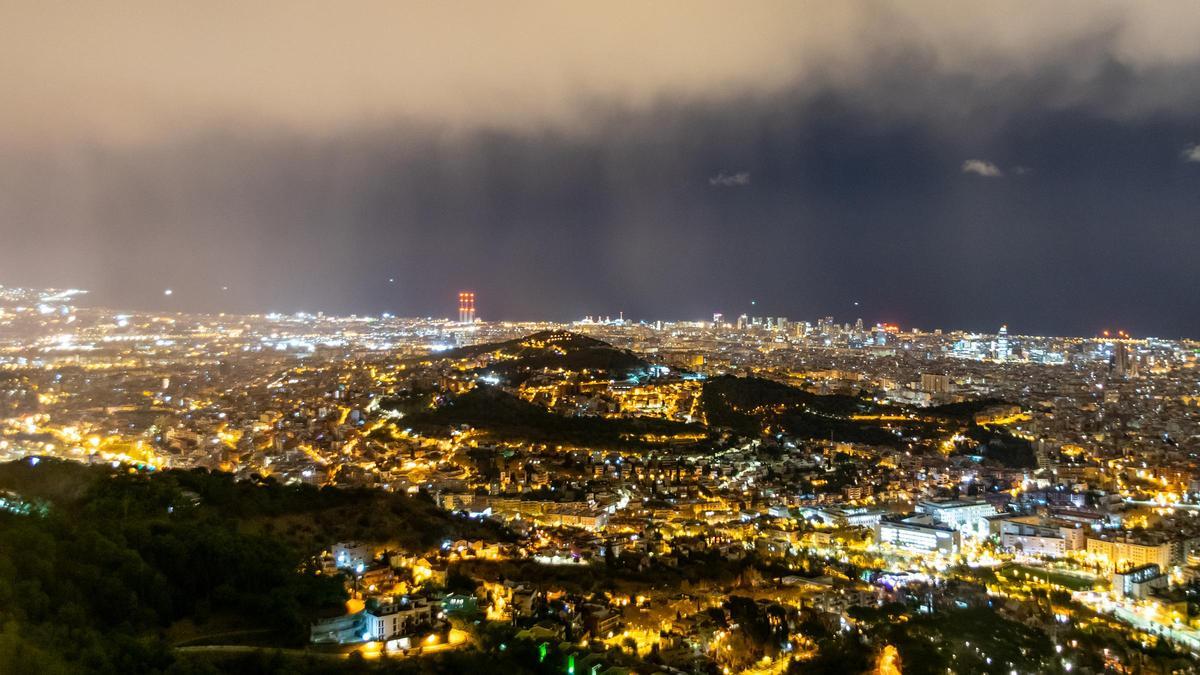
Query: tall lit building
[[935, 383], [466, 307], [1121, 364], [1002, 352]]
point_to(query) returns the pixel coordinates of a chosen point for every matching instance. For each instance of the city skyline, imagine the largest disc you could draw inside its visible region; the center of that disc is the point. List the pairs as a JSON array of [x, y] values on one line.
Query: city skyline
[[752, 317]]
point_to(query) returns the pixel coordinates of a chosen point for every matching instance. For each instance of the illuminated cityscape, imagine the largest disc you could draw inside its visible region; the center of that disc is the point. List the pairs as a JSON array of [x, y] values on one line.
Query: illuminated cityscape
[[581, 338], [617, 489]]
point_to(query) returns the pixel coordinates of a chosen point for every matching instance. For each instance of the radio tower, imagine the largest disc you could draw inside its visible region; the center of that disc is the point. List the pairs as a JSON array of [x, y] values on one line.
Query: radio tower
[[466, 307]]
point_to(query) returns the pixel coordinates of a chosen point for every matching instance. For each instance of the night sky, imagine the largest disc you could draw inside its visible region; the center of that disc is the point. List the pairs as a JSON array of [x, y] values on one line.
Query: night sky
[[942, 164]]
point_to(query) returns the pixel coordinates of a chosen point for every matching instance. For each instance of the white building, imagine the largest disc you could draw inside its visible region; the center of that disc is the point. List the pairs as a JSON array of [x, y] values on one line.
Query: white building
[[968, 517], [1029, 534], [1139, 582], [843, 516], [917, 534], [1121, 551], [387, 622], [350, 555]]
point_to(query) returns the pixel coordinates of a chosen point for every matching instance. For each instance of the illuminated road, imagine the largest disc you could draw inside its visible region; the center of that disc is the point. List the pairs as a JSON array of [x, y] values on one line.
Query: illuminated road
[[371, 650], [1137, 617]]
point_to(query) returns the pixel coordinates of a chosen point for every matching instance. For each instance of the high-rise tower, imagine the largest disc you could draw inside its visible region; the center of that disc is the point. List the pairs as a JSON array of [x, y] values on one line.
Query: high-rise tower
[[466, 307], [1002, 349], [1121, 363]]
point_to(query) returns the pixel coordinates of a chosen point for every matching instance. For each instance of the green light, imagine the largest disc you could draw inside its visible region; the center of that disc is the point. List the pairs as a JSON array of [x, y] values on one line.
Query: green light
[[542, 652], [571, 664]]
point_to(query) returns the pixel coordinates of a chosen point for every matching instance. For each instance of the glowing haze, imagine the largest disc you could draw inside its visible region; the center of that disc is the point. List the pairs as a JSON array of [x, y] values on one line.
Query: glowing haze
[[139, 66]]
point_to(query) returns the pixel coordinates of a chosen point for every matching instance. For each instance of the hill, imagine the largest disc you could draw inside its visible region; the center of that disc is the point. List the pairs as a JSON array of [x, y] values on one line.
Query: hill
[[119, 557], [517, 360], [500, 416], [754, 406], [964, 411]]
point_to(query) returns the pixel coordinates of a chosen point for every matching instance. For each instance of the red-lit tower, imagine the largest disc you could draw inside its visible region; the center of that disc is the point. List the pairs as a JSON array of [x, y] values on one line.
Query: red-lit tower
[[466, 307]]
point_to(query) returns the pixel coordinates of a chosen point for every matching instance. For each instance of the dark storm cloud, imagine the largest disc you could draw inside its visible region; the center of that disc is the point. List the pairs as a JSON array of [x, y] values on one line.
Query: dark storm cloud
[[594, 192]]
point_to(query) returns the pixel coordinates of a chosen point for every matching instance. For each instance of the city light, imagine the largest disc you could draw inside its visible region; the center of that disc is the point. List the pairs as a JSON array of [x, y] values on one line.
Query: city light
[[594, 338]]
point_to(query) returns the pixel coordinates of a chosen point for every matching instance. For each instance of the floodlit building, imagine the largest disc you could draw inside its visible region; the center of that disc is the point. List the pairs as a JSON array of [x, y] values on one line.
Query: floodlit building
[[1035, 536], [351, 555], [918, 534], [1122, 550], [841, 517], [968, 517], [935, 383], [1139, 582], [386, 622]]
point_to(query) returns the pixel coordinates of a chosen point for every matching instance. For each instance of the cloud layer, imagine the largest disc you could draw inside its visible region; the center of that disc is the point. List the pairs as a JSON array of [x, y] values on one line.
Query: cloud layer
[[125, 69]]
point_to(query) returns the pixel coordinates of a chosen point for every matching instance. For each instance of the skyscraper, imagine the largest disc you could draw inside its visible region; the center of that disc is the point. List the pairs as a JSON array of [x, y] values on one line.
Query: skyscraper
[[1121, 364], [1002, 352], [935, 383], [466, 307]]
